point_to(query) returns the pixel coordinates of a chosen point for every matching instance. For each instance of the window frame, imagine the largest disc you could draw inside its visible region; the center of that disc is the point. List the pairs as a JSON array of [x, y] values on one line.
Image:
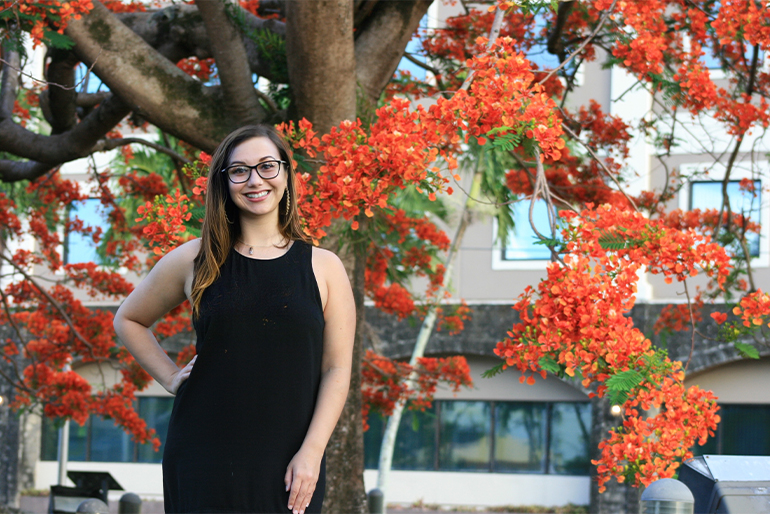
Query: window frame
[[716, 174], [491, 467]]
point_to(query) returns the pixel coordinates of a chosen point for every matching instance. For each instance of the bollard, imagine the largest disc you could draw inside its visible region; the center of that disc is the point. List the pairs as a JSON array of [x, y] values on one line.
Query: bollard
[[93, 506], [376, 501], [667, 496], [130, 503]]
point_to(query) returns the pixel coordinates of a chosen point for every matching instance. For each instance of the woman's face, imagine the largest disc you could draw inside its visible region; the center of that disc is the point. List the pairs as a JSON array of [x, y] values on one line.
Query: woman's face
[[257, 196]]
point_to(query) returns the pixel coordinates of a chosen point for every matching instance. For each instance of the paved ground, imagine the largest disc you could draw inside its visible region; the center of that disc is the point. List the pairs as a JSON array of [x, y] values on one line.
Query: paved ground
[[39, 505]]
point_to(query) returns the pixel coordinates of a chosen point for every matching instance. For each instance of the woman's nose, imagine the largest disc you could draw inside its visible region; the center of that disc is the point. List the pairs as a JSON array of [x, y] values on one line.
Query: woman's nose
[[254, 177]]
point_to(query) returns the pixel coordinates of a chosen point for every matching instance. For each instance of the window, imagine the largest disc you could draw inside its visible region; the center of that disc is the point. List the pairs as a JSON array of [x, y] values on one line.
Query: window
[[502, 437], [742, 431], [523, 249], [464, 436], [570, 439], [708, 195], [520, 434], [100, 440], [81, 247], [415, 449]]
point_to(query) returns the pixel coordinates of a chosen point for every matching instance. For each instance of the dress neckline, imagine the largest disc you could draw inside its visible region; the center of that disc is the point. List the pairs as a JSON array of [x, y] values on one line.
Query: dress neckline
[[291, 247]]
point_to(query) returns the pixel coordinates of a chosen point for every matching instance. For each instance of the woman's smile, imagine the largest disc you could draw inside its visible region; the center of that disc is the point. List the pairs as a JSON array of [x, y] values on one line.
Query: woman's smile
[[257, 196]]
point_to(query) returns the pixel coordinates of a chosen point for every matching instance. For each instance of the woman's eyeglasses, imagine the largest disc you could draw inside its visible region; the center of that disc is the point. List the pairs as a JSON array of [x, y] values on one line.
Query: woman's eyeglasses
[[240, 173]]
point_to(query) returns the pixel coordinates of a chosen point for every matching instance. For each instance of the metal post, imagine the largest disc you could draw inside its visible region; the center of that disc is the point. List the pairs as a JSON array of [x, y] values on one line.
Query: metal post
[[93, 506], [130, 503], [667, 496], [64, 438], [376, 500]]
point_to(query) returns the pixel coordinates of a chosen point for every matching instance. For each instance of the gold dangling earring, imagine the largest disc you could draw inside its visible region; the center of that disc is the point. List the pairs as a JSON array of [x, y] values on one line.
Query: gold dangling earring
[[288, 202], [228, 219]]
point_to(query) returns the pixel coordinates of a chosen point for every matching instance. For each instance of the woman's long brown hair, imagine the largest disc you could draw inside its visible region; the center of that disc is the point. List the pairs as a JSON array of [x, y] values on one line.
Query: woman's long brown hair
[[221, 223]]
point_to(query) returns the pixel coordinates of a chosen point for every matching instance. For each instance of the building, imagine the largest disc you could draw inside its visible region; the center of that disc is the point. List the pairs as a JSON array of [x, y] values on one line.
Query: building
[[501, 443]]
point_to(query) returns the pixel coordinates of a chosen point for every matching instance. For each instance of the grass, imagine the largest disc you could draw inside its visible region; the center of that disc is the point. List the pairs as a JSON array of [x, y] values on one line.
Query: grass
[[520, 509]]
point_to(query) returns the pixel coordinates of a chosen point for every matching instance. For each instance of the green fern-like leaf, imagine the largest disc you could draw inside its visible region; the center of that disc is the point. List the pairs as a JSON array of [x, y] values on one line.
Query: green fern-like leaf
[[549, 364], [621, 384], [746, 350], [494, 371]]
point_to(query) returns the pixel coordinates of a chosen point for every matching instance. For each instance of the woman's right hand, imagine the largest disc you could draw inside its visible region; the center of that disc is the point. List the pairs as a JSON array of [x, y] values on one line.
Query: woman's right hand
[[180, 376]]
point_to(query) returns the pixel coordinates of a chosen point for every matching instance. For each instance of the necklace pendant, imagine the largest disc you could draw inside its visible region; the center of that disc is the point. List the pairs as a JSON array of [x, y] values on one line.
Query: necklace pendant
[[251, 250]]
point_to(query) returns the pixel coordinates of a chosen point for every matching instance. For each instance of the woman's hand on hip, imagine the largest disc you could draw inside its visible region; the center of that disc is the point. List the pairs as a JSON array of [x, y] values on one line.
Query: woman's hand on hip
[[301, 478], [180, 376]]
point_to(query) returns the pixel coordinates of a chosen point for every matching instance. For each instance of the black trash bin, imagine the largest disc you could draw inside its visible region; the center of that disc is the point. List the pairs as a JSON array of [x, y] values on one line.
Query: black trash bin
[[728, 483]]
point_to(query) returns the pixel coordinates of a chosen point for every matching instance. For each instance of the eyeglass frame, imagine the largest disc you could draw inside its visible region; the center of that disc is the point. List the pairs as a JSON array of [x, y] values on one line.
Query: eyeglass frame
[[251, 169]]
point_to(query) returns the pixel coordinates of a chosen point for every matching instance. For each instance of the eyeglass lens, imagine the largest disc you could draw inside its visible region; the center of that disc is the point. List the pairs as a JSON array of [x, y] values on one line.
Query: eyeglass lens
[[241, 172]]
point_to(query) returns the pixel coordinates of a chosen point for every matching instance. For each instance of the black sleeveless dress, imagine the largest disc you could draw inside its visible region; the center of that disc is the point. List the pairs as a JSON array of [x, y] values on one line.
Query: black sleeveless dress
[[244, 411]]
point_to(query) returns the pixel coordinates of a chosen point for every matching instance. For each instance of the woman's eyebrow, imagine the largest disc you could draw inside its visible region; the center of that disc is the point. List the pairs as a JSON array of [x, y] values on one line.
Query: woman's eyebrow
[[265, 158]]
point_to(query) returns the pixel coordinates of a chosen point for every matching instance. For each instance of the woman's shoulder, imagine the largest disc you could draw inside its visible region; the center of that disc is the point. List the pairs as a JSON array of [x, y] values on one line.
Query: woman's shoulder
[[327, 261], [183, 255]]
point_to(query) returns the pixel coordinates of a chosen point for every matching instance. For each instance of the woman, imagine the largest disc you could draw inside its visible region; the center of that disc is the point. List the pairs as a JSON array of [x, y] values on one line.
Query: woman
[[274, 319]]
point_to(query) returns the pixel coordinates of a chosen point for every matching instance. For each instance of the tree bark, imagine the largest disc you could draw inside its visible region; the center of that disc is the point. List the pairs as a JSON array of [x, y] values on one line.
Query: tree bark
[[156, 89], [321, 61], [233, 65], [380, 43]]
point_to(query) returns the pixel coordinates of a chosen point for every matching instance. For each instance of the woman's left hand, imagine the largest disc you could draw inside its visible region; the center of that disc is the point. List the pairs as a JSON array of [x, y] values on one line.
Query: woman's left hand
[[301, 478]]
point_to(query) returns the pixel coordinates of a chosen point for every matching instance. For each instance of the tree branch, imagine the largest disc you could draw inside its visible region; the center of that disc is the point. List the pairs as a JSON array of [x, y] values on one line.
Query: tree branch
[[381, 38], [10, 81], [50, 299], [601, 164], [178, 31], [232, 64], [583, 44], [60, 148], [61, 100], [14, 171], [159, 91], [105, 145]]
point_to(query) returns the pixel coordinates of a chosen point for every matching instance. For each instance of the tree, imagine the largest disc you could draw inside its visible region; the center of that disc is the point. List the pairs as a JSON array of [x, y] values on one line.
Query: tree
[[513, 113]]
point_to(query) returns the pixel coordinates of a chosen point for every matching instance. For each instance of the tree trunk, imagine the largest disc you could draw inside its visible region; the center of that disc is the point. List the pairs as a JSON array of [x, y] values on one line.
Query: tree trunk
[[321, 59], [9, 435], [322, 71], [345, 452]]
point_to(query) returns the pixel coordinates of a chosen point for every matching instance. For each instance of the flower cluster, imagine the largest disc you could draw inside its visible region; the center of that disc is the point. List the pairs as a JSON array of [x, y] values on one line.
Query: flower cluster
[[575, 324], [386, 382]]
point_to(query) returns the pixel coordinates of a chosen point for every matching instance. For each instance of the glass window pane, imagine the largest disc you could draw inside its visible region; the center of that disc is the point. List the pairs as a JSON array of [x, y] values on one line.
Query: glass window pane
[[708, 195], [416, 440], [78, 441], [521, 239], [80, 247], [109, 443], [710, 448], [49, 440], [373, 440], [745, 429], [156, 411], [520, 437], [464, 435], [570, 439]]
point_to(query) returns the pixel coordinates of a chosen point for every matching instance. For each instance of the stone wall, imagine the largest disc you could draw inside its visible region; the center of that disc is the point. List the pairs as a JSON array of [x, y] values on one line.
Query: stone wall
[[394, 338]]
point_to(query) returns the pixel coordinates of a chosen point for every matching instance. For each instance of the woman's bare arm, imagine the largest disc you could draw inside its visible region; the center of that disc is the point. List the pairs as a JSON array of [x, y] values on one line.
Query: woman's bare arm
[[165, 287], [339, 332]]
